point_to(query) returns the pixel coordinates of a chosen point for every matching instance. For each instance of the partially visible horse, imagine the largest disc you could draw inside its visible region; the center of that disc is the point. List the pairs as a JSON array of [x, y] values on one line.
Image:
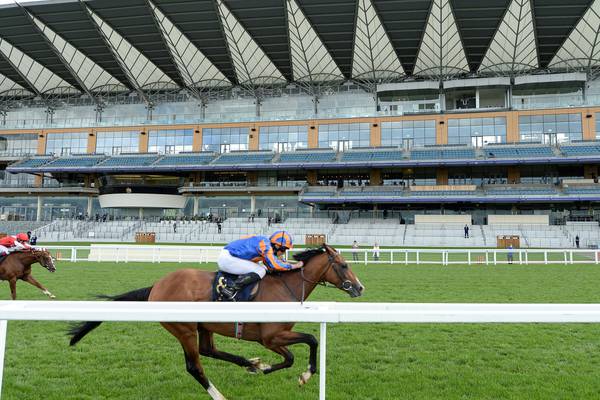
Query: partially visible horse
[[322, 265], [17, 265]]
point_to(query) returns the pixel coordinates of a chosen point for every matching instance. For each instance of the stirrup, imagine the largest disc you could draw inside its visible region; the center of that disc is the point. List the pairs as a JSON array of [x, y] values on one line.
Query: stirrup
[[228, 292]]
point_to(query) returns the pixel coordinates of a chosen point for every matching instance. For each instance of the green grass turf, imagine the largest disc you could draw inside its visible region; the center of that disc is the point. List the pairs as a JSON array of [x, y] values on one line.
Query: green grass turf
[[132, 361]]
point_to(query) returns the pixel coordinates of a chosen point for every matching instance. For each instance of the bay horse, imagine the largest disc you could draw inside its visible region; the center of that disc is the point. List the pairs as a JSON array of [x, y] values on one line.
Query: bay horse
[[321, 266], [17, 265]]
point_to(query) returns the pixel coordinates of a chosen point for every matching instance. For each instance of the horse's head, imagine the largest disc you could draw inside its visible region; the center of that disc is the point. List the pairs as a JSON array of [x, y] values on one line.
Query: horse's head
[[333, 269], [45, 259]]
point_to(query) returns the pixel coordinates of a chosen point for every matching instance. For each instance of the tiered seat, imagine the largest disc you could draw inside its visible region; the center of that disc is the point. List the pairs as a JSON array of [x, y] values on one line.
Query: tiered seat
[[518, 152], [307, 157], [129, 161], [442, 154], [186, 159], [375, 193], [82, 161], [33, 162], [591, 149], [521, 191], [244, 158], [390, 155], [442, 193], [582, 190]]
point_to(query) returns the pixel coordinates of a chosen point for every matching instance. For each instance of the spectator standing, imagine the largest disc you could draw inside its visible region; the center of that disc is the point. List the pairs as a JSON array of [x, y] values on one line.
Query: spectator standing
[[174, 227], [466, 231], [376, 251], [355, 251], [509, 255], [219, 226], [577, 241]]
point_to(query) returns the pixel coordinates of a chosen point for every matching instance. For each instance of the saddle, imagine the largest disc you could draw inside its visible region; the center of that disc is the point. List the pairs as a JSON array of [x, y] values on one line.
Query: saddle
[[222, 279]]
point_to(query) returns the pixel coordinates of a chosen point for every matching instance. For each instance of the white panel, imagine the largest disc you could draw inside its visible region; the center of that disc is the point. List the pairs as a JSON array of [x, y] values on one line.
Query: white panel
[[441, 52], [310, 59], [41, 78], [251, 64], [91, 74], [142, 70], [513, 48], [143, 200], [442, 219], [374, 56], [497, 219], [581, 50], [193, 66]]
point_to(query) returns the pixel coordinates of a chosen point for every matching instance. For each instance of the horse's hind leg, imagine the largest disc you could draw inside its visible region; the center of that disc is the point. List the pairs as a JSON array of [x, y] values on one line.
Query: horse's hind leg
[[188, 337], [277, 344], [208, 349], [13, 288], [31, 280]]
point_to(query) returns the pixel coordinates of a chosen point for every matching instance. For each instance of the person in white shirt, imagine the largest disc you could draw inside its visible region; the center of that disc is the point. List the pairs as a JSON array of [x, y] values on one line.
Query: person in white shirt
[[355, 251], [376, 252]]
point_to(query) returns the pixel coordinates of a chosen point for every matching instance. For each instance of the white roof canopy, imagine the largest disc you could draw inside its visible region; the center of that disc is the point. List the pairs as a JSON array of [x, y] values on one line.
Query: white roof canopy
[[251, 64], [441, 52], [513, 48], [374, 57], [193, 66]]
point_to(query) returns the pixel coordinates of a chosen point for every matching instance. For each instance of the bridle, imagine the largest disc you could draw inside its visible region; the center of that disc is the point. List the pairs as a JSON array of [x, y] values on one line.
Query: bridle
[[331, 263]]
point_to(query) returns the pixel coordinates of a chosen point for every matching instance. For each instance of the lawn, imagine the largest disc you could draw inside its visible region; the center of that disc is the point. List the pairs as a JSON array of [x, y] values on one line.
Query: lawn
[[131, 361]]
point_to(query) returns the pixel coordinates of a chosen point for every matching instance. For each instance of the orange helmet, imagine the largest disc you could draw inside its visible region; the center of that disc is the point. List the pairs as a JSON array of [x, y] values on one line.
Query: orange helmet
[[22, 237], [282, 239]]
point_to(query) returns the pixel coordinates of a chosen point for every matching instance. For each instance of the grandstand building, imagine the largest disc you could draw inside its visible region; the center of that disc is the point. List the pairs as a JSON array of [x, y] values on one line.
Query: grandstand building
[[300, 108]]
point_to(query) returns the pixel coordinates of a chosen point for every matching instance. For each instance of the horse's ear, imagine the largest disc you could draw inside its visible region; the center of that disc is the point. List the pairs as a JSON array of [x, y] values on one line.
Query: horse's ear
[[328, 249]]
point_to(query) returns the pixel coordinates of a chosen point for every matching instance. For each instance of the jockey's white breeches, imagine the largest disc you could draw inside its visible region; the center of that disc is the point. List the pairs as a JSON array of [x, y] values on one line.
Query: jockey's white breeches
[[238, 266], [4, 250]]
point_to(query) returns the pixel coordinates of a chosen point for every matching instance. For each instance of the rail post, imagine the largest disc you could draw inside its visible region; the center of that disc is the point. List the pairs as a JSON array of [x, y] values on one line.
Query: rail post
[[322, 360]]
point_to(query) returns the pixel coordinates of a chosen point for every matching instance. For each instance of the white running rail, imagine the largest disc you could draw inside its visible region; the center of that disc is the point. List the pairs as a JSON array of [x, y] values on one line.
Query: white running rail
[[204, 254], [316, 312]]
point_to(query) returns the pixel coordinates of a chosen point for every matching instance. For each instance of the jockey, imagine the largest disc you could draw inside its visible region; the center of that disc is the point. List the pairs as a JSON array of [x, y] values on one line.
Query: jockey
[[241, 257], [8, 244]]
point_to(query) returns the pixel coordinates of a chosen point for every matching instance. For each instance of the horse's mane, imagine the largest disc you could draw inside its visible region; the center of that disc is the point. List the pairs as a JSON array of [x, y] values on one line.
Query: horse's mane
[[308, 254]]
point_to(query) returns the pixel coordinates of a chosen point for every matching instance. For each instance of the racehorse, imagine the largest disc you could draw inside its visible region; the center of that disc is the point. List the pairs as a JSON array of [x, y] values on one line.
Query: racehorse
[[17, 265], [321, 266]]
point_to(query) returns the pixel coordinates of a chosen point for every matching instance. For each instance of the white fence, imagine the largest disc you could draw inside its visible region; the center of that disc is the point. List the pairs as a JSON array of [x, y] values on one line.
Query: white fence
[[203, 254], [319, 312]]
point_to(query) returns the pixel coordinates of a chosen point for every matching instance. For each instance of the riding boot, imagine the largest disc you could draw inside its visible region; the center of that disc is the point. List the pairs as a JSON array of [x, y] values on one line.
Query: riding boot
[[237, 285]]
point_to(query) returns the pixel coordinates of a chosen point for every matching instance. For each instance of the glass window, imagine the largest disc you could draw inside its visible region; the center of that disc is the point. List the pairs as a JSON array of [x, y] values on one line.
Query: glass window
[[170, 141], [410, 133], [63, 144], [112, 143], [224, 140], [477, 131], [551, 128], [283, 138], [341, 137], [18, 145]]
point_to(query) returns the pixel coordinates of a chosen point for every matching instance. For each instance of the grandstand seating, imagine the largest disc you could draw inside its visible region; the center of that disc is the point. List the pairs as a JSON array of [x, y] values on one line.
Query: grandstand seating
[[588, 149], [34, 162], [244, 158], [74, 162], [354, 156], [443, 193], [129, 161], [186, 159], [520, 191], [445, 154], [582, 190], [307, 157], [502, 151]]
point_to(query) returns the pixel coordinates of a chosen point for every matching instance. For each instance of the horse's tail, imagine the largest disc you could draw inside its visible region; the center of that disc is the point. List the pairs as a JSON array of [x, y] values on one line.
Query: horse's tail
[[78, 331]]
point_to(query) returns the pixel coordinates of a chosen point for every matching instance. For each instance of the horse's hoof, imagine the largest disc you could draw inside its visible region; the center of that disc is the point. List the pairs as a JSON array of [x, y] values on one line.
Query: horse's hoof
[[257, 365], [52, 296], [303, 379]]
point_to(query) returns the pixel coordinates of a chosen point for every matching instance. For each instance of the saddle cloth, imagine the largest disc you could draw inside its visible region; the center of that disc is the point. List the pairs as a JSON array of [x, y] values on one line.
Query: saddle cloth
[[223, 279]]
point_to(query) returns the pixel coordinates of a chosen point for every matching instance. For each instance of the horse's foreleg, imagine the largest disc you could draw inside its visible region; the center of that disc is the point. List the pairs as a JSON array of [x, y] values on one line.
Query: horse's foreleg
[[13, 288], [208, 349], [187, 336], [31, 280], [287, 338]]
